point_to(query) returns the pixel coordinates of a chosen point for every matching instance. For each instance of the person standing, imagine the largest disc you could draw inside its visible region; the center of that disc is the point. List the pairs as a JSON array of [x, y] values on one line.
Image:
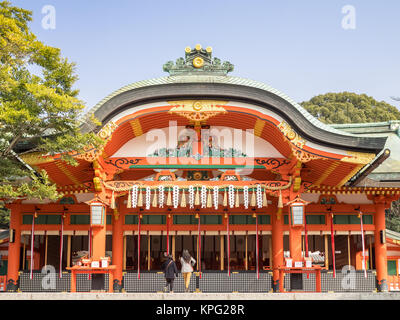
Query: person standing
[[170, 270], [187, 262]]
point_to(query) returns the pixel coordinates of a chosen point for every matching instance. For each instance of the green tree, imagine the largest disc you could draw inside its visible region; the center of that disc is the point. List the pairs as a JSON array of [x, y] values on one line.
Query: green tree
[[348, 107], [39, 110]]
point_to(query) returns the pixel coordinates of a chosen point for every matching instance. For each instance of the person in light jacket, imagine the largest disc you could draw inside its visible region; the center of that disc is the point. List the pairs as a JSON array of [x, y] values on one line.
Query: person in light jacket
[[187, 262]]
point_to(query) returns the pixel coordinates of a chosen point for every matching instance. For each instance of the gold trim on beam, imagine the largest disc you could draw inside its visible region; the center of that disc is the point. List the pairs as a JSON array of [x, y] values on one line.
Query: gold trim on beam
[[197, 111], [258, 127], [358, 157], [136, 127]]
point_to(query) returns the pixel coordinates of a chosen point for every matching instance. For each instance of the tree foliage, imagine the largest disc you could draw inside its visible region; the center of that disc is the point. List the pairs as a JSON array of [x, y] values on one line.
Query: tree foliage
[[38, 106], [348, 107]]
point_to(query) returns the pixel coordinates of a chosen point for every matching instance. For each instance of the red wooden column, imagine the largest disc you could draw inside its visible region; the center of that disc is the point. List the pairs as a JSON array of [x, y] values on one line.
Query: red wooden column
[[14, 248], [117, 248], [277, 247], [380, 248], [295, 243]]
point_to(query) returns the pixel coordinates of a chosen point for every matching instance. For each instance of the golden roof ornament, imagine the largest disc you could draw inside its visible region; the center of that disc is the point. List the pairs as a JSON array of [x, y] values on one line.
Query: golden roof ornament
[[198, 61]]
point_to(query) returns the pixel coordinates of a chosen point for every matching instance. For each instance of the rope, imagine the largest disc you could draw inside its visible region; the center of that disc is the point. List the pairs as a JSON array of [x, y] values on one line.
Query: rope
[[169, 185]]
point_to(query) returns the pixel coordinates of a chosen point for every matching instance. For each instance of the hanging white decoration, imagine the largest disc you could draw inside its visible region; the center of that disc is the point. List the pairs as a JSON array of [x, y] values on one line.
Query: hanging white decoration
[[216, 195], [259, 197], [175, 196], [191, 197], [148, 198], [135, 189], [203, 196], [246, 197], [161, 196], [231, 192]]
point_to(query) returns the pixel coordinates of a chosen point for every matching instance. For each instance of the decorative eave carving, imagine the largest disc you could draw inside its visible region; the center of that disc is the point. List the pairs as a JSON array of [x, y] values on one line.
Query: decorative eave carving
[[197, 111], [292, 135]]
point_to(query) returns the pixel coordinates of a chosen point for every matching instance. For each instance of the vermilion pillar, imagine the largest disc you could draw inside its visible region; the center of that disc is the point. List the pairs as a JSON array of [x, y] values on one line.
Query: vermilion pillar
[[295, 243], [380, 249], [99, 242], [277, 247], [14, 248], [117, 249]]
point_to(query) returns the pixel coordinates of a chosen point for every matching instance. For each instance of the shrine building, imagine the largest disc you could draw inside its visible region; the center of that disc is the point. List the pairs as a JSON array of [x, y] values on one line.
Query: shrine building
[[264, 196]]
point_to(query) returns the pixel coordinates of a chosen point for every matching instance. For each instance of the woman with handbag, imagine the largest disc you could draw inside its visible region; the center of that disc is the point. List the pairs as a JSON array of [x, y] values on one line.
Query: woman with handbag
[[187, 262]]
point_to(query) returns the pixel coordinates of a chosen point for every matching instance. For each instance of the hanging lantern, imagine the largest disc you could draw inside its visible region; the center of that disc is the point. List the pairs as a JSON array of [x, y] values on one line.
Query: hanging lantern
[[297, 212], [97, 213]]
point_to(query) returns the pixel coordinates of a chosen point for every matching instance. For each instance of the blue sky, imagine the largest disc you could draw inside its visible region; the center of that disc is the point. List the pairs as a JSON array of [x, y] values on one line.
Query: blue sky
[[298, 47]]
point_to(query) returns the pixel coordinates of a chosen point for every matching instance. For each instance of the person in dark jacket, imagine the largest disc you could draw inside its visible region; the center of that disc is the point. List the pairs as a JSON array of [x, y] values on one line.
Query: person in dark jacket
[[170, 270]]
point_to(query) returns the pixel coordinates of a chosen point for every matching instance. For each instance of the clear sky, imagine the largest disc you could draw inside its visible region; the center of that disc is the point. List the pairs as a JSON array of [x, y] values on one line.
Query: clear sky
[[298, 47]]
